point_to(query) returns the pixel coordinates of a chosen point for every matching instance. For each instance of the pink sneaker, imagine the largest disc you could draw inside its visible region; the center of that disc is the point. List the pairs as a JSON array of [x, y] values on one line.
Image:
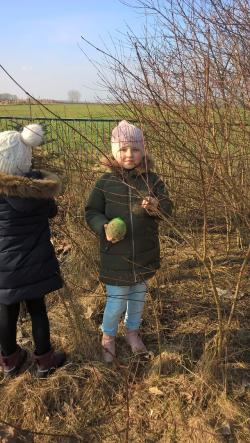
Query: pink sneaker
[[108, 348], [135, 341]]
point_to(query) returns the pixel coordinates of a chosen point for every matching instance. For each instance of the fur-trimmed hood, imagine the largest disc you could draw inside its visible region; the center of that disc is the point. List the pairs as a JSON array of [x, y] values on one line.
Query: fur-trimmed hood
[[110, 164], [47, 187]]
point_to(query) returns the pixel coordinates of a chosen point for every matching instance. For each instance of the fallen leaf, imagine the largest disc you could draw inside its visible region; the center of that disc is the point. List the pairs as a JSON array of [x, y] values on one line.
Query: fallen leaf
[[156, 391], [89, 312]]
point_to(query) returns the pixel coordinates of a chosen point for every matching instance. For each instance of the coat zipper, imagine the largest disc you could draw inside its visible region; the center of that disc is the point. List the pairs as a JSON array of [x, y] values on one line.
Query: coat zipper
[[132, 231]]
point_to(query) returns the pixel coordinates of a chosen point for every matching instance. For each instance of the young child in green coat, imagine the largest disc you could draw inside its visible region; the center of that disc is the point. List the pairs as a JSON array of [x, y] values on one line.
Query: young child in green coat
[[131, 191]]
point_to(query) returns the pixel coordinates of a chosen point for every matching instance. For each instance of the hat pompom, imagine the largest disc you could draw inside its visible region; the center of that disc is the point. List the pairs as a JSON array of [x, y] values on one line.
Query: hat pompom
[[32, 135]]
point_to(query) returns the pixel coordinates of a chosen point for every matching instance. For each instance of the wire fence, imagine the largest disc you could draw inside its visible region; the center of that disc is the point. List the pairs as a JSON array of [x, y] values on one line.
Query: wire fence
[[77, 133]]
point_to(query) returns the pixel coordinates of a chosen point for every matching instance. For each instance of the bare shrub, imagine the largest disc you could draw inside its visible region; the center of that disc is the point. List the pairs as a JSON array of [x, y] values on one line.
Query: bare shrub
[[187, 83]]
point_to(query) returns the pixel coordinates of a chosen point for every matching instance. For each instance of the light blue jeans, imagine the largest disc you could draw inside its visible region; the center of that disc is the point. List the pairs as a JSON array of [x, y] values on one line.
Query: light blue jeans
[[120, 299]]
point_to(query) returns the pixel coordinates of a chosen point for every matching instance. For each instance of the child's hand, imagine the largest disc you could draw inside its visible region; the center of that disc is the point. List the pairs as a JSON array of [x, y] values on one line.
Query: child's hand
[[150, 204], [107, 237]]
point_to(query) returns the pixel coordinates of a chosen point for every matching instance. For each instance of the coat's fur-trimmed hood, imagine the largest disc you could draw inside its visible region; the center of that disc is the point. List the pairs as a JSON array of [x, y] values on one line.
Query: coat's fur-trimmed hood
[[110, 164], [20, 186]]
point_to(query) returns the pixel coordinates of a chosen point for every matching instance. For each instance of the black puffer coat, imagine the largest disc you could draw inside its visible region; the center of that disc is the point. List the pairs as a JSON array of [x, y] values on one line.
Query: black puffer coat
[[119, 193], [28, 265]]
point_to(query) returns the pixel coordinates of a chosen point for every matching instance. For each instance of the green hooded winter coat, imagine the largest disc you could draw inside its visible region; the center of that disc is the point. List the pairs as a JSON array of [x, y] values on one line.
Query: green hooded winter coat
[[119, 193]]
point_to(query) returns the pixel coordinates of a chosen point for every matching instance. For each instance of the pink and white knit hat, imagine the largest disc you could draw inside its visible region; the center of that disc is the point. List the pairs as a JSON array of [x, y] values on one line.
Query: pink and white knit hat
[[126, 132]]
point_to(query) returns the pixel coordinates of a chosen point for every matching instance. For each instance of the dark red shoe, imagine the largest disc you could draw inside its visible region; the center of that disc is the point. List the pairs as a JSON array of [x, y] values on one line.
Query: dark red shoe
[[49, 362], [12, 363]]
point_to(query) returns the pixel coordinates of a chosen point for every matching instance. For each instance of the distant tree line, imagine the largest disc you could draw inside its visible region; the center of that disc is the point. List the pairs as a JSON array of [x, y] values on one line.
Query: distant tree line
[[74, 96], [9, 97]]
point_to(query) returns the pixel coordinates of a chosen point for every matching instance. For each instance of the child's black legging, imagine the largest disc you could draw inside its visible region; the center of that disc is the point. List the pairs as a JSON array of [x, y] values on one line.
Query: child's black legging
[[40, 326]]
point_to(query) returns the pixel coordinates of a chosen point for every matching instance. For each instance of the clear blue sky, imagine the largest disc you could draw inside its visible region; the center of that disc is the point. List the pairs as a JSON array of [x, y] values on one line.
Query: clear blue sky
[[39, 43]]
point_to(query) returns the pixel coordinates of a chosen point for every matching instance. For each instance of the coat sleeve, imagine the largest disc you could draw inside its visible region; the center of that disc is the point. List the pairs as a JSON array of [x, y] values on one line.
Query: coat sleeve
[[95, 209], [161, 193], [46, 207]]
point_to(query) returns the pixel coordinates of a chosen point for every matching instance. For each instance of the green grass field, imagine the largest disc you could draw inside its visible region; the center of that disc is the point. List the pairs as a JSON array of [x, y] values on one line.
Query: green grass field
[[66, 110]]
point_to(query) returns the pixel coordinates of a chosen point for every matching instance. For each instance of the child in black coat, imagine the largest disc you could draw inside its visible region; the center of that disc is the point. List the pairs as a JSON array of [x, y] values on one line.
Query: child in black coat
[[28, 265]]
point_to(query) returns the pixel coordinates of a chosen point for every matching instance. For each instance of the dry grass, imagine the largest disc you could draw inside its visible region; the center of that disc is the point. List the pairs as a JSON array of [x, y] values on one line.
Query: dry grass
[[168, 398]]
